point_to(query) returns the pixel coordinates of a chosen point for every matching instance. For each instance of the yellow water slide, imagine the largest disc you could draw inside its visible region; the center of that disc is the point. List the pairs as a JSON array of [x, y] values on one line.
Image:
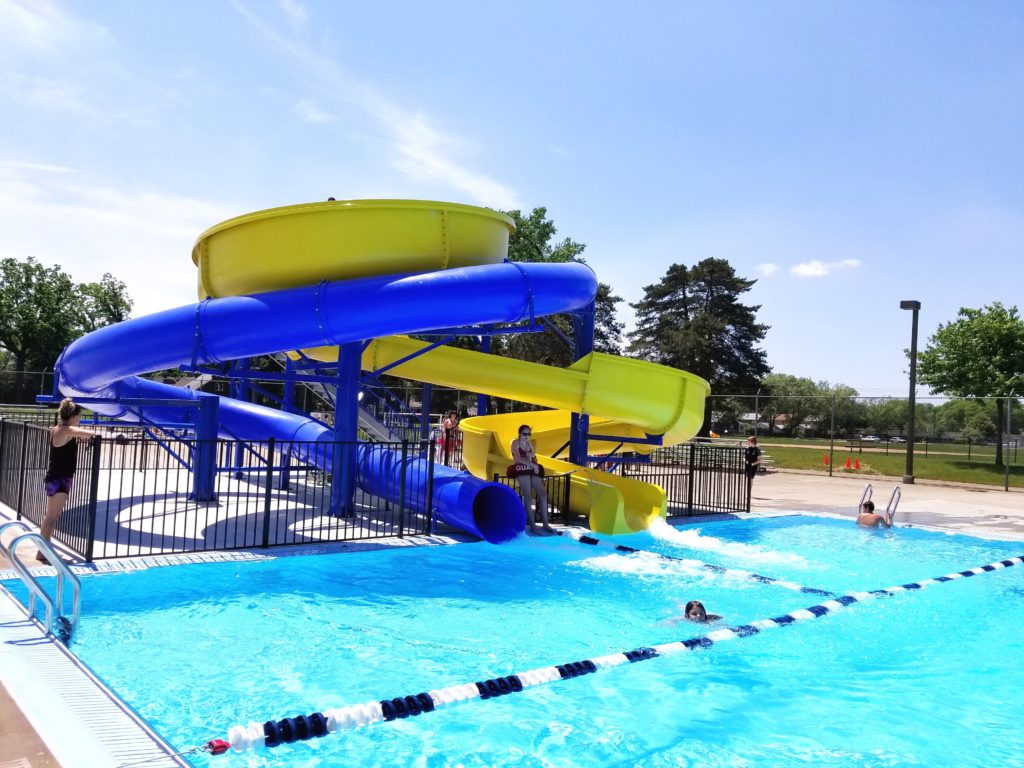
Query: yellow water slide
[[622, 396]]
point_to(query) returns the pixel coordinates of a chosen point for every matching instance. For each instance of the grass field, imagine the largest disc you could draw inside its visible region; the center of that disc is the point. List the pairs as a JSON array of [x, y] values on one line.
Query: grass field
[[949, 467], [924, 448]]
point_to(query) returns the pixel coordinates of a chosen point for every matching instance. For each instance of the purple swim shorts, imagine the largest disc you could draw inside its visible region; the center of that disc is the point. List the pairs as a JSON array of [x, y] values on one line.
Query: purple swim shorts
[[60, 485]]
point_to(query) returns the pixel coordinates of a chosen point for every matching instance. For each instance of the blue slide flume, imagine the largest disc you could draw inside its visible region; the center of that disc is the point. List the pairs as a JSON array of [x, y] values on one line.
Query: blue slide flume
[[106, 365]]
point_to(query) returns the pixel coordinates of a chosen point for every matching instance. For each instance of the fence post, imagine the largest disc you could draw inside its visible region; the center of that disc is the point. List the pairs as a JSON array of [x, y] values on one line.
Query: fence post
[[693, 478], [431, 450], [94, 489], [567, 479], [401, 489], [21, 470], [268, 487], [3, 429]]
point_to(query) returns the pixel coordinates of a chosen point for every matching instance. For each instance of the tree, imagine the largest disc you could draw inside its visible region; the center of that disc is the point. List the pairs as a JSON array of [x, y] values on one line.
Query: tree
[[693, 319], [795, 398], [980, 354], [42, 311], [532, 242], [887, 416], [103, 303], [850, 413]]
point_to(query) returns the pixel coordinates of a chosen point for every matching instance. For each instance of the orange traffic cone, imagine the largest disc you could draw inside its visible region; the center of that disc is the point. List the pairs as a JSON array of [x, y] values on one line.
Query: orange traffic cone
[[824, 459], [856, 463], [847, 462]]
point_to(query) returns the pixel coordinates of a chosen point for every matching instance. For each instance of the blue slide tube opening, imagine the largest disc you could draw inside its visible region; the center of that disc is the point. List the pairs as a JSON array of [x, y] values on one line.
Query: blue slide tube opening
[[488, 510]]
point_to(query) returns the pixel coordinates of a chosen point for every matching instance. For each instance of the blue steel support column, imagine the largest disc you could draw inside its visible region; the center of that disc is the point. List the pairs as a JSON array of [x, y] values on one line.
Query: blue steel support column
[[583, 335], [425, 412], [346, 430], [287, 405], [204, 457], [481, 400], [240, 391]]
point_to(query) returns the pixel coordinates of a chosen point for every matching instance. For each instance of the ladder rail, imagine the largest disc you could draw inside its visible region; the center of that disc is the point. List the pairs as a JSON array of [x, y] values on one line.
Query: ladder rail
[[64, 574], [894, 501], [8, 552], [865, 496]]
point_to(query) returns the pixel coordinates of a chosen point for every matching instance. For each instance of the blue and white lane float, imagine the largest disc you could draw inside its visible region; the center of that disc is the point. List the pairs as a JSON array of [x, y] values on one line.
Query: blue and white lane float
[[256, 736], [585, 538]]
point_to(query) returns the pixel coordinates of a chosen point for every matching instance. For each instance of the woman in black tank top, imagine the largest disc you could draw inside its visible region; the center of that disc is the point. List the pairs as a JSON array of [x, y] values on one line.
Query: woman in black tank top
[[63, 461]]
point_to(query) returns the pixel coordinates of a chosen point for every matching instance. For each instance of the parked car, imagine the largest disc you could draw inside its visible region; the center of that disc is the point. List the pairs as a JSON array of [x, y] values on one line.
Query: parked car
[[872, 439], [897, 440]]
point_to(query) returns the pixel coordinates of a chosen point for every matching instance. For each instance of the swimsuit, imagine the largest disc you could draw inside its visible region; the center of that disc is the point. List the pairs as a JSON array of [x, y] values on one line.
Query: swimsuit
[[61, 470]]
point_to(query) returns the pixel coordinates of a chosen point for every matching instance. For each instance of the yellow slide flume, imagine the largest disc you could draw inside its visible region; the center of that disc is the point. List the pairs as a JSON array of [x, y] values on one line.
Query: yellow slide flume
[[623, 397]]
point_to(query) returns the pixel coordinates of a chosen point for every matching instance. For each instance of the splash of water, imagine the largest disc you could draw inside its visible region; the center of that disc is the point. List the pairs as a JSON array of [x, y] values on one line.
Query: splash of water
[[692, 539]]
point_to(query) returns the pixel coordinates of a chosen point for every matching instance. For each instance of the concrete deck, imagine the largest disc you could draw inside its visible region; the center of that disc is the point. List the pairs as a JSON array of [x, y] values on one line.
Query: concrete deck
[[975, 510]]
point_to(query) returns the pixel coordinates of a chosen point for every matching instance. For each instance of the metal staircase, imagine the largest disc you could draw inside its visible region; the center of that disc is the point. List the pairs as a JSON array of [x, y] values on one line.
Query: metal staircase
[[375, 415]]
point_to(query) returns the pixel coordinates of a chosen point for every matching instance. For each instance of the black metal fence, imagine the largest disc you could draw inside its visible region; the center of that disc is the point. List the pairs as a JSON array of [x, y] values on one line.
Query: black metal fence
[[557, 488], [696, 478], [136, 495], [449, 447], [24, 455]]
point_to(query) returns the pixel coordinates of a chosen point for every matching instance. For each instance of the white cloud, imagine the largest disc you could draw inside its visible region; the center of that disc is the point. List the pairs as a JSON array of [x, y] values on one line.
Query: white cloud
[[813, 268], [421, 151], [768, 268], [27, 165], [295, 12], [310, 112], [816, 268], [144, 238], [39, 27]]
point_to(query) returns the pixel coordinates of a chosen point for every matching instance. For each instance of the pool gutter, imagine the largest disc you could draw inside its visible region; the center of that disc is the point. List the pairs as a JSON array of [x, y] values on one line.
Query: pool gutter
[[82, 722]]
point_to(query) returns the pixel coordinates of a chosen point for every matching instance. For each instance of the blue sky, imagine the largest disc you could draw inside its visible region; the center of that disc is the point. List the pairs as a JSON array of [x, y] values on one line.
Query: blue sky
[[847, 155]]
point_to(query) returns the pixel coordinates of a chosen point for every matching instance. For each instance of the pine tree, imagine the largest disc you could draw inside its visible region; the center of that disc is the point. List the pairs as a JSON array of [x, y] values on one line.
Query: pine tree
[[693, 320]]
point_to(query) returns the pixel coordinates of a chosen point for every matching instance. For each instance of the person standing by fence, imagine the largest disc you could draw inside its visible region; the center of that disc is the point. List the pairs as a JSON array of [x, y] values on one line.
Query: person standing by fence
[[60, 471], [450, 429], [752, 457]]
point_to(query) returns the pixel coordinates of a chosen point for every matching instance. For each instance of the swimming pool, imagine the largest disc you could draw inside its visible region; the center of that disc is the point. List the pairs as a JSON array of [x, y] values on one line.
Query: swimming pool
[[925, 678]]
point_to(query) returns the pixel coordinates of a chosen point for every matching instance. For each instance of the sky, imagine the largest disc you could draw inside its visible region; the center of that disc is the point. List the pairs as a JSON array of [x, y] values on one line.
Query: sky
[[845, 155]]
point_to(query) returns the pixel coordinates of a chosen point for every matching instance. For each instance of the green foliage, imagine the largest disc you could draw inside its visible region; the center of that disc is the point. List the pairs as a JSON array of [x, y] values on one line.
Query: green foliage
[[42, 311], [532, 242], [795, 399], [102, 303], [692, 319], [980, 354]]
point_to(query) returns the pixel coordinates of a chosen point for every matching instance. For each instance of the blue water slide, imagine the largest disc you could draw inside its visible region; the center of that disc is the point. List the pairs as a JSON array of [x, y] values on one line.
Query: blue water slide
[[106, 364]]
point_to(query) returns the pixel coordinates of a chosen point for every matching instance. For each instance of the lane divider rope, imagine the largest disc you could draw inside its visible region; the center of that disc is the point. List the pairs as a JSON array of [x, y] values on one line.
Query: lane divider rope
[[256, 736], [583, 538]]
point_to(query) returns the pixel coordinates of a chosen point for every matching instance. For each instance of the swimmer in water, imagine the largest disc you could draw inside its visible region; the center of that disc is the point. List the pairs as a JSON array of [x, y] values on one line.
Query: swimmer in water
[[869, 519]]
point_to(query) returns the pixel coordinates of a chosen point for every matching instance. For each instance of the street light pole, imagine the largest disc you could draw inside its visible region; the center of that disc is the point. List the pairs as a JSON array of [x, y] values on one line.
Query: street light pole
[[915, 307]]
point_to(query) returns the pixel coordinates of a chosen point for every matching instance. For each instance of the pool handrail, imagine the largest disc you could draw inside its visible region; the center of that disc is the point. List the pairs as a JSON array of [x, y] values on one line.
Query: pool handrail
[[865, 496], [894, 501], [35, 589]]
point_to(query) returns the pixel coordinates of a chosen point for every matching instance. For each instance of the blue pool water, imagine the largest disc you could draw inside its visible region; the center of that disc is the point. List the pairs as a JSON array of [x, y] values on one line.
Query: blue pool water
[[927, 678]]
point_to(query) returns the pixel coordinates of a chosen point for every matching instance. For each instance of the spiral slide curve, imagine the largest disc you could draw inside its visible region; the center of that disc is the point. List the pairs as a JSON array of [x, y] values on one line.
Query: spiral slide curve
[[311, 276], [329, 273]]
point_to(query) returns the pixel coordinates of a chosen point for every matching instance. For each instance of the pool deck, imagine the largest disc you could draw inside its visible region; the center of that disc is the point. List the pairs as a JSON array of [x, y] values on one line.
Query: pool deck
[[978, 510]]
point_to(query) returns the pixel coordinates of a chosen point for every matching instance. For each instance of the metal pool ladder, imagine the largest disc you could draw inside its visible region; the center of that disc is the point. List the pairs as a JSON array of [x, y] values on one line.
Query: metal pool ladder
[[56, 623], [890, 508]]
